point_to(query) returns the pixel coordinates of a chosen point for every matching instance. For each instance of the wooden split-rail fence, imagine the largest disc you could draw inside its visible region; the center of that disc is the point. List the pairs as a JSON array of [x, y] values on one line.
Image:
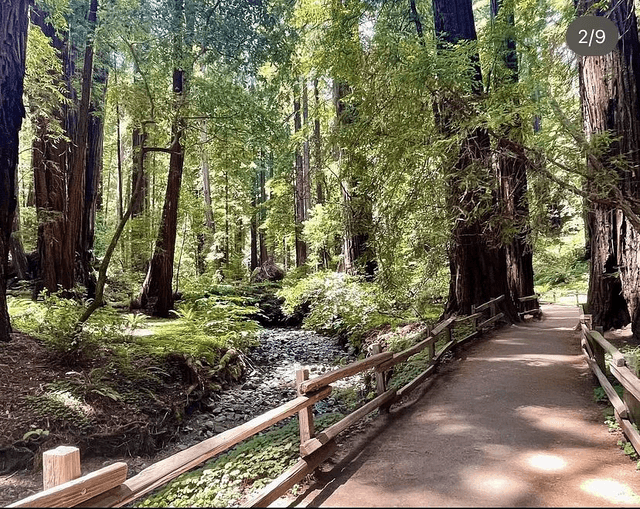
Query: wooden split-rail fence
[[109, 487], [595, 349]]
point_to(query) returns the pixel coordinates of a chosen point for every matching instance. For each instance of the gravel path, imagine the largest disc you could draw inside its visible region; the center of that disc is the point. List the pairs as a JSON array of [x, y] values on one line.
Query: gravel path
[[511, 421]]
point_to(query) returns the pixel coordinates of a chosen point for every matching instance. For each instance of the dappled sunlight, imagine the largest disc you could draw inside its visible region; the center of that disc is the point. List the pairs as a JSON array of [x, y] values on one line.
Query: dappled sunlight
[[517, 342], [536, 360], [493, 484], [610, 490], [545, 462], [570, 422], [454, 428]]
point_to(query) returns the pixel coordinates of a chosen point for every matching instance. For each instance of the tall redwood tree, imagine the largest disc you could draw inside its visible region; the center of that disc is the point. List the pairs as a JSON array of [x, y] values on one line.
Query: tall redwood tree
[[13, 39], [611, 104], [477, 260]]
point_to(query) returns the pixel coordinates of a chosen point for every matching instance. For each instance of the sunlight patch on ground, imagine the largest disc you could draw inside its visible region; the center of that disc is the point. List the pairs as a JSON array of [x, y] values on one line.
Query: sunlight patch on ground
[[537, 359], [548, 419], [611, 490], [545, 462], [494, 484], [454, 428]]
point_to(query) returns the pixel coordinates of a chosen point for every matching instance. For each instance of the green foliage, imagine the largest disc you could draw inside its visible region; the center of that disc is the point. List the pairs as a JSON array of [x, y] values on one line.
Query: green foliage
[[599, 395], [628, 449], [62, 407], [559, 264], [248, 467], [204, 327], [53, 320], [337, 303]]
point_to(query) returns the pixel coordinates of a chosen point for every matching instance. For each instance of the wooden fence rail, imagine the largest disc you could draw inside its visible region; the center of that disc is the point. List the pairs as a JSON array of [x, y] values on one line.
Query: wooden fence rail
[[627, 408], [112, 490]]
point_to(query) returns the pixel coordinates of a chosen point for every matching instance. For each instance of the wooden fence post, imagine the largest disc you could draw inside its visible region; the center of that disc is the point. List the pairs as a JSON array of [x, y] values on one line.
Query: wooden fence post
[[60, 465], [305, 416], [474, 320], [381, 383]]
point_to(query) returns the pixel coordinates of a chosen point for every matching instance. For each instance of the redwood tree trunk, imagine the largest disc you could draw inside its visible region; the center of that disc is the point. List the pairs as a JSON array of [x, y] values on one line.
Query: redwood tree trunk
[[50, 159], [512, 176], [74, 244], [157, 294], [477, 259], [13, 40], [93, 169], [610, 103], [299, 191], [357, 252]]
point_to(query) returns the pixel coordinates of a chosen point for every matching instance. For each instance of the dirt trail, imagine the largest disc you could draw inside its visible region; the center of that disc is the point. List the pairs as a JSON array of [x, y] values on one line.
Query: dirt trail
[[510, 421]]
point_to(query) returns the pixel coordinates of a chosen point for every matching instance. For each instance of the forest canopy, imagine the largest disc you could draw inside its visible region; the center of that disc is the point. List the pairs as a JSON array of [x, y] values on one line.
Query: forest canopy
[[432, 151]]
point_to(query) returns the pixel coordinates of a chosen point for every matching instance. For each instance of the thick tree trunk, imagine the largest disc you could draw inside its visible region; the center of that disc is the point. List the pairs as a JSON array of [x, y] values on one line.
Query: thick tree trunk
[[74, 242], [50, 159], [93, 176], [609, 88], [262, 237], [476, 257], [157, 295], [13, 44], [512, 176]]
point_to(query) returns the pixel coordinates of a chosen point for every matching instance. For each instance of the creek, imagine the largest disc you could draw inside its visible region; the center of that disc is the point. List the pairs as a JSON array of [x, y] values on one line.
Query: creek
[[269, 381]]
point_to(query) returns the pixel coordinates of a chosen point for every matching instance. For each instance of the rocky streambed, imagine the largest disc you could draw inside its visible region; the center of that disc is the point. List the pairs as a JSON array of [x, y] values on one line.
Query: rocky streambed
[[270, 381]]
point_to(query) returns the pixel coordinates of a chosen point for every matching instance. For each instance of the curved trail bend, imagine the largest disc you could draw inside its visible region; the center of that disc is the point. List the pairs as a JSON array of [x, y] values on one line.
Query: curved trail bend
[[510, 422]]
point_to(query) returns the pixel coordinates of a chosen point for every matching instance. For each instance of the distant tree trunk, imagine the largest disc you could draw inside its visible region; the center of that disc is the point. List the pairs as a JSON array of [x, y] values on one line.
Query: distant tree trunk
[[357, 252], [477, 260], [157, 295], [19, 261], [262, 237], [299, 190], [609, 87], [253, 263], [512, 177], [14, 21], [74, 242], [317, 142], [93, 177], [137, 173]]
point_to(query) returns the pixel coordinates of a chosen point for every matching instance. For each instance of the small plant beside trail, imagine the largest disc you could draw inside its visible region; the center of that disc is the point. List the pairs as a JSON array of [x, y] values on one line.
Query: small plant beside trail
[[239, 473]]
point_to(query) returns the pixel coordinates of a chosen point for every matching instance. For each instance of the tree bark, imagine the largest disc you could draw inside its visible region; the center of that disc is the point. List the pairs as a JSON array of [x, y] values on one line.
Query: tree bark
[[19, 263], [609, 88], [50, 159], [74, 242], [299, 189], [477, 259], [157, 295], [357, 252], [13, 39], [511, 167]]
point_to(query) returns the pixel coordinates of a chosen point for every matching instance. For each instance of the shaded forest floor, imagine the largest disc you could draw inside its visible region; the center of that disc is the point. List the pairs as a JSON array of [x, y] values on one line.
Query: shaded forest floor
[[40, 411]]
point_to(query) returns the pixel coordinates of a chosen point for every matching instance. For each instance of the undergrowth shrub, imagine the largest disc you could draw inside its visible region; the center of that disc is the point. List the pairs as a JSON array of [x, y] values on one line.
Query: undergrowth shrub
[[53, 319], [254, 463], [337, 304], [203, 328]]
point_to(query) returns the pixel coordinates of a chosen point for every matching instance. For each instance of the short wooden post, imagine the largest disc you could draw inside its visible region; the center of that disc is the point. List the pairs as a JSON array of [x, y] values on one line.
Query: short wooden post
[[305, 416], [474, 320], [381, 383], [60, 465]]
